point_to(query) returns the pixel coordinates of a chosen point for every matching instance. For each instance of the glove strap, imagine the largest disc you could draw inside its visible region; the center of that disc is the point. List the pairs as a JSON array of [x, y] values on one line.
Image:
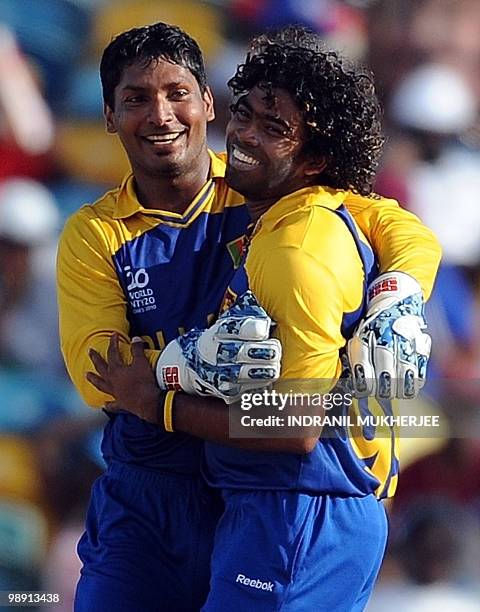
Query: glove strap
[[165, 411], [389, 288]]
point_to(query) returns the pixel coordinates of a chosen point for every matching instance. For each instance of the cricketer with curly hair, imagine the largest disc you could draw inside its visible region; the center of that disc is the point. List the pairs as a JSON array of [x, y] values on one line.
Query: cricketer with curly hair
[[303, 532], [338, 103]]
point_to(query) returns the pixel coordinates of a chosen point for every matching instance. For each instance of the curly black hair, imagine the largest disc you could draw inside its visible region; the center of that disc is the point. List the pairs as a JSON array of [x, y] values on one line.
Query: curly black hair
[[337, 100], [145, 45]]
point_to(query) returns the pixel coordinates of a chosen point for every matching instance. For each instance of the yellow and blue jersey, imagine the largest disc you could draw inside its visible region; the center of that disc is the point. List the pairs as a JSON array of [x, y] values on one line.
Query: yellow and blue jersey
[[151, 273], [309, 265], [148, 273]]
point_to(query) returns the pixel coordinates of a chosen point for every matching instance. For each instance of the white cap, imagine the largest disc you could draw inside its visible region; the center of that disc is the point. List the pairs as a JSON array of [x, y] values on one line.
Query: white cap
[[435, 98], [28, 212]]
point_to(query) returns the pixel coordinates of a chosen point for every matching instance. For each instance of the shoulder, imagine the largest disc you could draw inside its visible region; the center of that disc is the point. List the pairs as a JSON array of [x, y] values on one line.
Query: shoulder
[[91, 221], [101, 209], [316, 232], [358, 204], [309, 253]]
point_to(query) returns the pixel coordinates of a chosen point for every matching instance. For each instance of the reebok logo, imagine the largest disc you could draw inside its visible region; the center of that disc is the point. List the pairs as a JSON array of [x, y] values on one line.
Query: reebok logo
[[255, 583]]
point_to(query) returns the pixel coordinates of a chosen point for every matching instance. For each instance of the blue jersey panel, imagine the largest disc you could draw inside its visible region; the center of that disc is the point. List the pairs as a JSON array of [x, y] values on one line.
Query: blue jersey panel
[[174, 278], [370, 267]]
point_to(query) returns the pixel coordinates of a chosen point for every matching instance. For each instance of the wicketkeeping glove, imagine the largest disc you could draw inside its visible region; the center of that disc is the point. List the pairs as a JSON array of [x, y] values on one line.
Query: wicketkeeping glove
[[235, 355], [389, 351]]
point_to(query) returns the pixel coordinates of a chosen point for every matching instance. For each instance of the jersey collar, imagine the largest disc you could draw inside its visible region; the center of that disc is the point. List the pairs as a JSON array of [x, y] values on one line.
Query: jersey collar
[[302, 199], [128, 205]]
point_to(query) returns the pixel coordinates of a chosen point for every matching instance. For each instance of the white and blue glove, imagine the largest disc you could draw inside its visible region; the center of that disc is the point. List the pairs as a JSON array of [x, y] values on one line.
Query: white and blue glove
[[389, 351], [233, 356]]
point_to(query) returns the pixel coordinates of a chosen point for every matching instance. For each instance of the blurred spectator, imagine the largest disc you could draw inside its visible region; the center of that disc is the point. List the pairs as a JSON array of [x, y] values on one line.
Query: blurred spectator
[[26, 114], [23, 517], [257, 15], [458, 463], [418, 102], [435, 105], [61, 570], [405, 33], [332, 18], [432, 565], [22, 545], [52, 33], [203, 19], [437, 176], [26, 123], [433, 548], [29, 222], [44, 486]]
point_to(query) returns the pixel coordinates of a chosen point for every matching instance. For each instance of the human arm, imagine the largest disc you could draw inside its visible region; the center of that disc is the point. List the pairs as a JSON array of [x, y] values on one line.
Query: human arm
[[135, 388], [389, 351], [92, 304], [400, 240]]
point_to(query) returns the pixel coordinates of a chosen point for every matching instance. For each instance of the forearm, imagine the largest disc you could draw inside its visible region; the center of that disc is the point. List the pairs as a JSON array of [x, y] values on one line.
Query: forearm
[[418, 255], [91, 300], [400, 240], [76, 348], [208, 418]]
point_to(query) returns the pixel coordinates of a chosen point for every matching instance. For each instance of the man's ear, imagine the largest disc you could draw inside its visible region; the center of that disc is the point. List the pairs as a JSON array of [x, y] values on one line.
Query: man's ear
[[208, 101], [315, 166], [109, 119]]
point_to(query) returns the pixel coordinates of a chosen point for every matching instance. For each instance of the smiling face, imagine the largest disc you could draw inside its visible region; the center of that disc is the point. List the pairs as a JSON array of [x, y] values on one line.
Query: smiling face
[[161, 117], [265, 147]]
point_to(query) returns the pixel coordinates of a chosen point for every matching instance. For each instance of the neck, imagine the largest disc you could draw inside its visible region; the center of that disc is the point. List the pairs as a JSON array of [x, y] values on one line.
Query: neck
[[172, 193], [257, 208]]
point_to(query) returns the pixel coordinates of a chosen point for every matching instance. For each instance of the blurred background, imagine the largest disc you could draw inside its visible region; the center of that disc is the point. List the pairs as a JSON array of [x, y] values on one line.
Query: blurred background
[[55, 156]]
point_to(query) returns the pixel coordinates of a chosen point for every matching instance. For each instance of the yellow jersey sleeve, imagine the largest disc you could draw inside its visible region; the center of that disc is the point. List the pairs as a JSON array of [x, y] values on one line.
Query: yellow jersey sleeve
[[91, 302], [398, 237], [307, 284]]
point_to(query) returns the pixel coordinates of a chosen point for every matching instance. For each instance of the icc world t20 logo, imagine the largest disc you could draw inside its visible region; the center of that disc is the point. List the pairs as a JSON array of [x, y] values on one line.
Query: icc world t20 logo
[[136, 280], [140, 296]]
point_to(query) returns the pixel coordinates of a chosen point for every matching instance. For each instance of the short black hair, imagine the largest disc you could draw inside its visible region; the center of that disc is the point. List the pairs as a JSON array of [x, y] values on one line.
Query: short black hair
[[146, 45], [338, 102]]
